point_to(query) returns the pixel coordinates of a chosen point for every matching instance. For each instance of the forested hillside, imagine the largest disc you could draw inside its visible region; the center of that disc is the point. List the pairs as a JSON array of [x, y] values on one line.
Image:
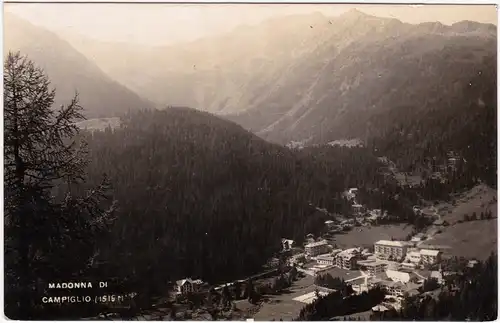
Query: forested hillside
[[204, 194]]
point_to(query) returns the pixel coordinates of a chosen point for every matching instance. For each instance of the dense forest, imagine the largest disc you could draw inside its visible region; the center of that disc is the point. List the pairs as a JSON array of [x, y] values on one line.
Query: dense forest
[[340, 303], [419, 138], [202, 193]]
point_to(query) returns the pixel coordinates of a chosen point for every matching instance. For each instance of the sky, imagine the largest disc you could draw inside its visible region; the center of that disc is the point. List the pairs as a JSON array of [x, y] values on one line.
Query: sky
[[161, 24]]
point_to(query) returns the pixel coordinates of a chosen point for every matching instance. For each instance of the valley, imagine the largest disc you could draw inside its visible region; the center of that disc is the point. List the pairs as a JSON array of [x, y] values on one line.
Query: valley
[[308, 167]]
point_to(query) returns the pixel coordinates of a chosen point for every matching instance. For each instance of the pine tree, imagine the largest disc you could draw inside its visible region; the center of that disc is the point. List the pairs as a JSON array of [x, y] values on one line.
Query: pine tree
[[48, 237]]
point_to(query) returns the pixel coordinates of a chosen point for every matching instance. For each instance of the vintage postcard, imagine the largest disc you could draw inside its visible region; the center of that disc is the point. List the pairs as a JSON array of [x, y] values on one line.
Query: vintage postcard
[[265, 161]]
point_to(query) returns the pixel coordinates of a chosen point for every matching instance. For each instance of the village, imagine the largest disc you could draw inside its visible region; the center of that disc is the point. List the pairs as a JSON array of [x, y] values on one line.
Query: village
[[408, 266]]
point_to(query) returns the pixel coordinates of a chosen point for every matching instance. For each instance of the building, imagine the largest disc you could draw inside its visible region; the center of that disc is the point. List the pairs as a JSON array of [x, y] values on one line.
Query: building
[[414, 257], [373, 267], [316, 248], [327, 259], [297, 259], [400, 276], [439, 223], [408, 266], [430, 257], [351, 193], [395, 250], [329, 224], [347, 259], [287, 244], [358, 208], [188, 285], [438, 276], [359, 285], [472, 263], [273, 262], [418, 237], [393, 288]]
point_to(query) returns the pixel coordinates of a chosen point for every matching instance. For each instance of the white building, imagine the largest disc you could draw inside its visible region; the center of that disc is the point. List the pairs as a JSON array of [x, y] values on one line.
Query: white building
[[351, 193], [430, 257], [347, 259], [327, 259], [438, 276], [358, 208], [287, 244], [414, 257], [386, 249], [359, 285], [316, 248], [399, 276], [188, 285], [373, 267], [329, 224], [408, 266]]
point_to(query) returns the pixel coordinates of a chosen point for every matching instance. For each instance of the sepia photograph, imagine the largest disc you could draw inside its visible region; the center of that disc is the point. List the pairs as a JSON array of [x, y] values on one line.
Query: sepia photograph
[[250, 161]]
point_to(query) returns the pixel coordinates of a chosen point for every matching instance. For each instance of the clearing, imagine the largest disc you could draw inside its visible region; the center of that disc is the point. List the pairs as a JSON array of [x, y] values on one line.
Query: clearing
[[367, 236], [471, 239], [479, 199], [284, 306]]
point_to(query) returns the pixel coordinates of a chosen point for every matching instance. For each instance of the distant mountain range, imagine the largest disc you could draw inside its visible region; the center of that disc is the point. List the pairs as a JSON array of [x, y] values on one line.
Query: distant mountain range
[[309, 78], [70, 71]]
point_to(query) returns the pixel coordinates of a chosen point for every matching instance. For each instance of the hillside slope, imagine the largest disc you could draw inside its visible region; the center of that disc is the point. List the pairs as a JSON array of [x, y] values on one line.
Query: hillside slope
[[202, 193], [69, 70]]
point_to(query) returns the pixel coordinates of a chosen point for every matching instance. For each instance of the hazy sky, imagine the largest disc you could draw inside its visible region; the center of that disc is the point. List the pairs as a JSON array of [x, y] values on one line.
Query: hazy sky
[[159, 24]]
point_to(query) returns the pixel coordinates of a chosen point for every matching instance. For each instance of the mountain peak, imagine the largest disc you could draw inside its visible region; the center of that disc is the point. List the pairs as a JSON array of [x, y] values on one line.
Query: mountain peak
[[354, 13]]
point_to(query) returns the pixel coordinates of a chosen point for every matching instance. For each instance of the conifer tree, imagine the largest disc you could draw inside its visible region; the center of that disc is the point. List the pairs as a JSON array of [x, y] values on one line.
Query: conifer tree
[[51, 223]]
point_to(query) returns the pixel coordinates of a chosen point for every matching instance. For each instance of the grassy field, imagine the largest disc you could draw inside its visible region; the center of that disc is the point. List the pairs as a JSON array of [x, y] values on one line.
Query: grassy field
[[99, 123], [474, 239], [283, 306], [479, 199], [364, 236]]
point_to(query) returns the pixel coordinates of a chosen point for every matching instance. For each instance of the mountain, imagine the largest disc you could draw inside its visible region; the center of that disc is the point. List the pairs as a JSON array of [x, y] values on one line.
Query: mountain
[[314, 79], [69, 70], [410, 92]]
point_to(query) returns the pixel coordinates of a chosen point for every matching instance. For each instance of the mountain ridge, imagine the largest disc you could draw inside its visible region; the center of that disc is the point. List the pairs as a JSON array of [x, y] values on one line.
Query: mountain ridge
[[69, 70]]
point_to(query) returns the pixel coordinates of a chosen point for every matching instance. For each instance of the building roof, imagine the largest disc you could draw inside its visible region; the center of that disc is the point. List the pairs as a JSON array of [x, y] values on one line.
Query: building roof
[[428, 252], [390, 243], [188, 280], [393, 284], [436, 274], [372, 263], [359, 280], [398, 275], [348, 253], [472, 263], [408, 265], [316, 244], [325, 257], [379, 308]]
